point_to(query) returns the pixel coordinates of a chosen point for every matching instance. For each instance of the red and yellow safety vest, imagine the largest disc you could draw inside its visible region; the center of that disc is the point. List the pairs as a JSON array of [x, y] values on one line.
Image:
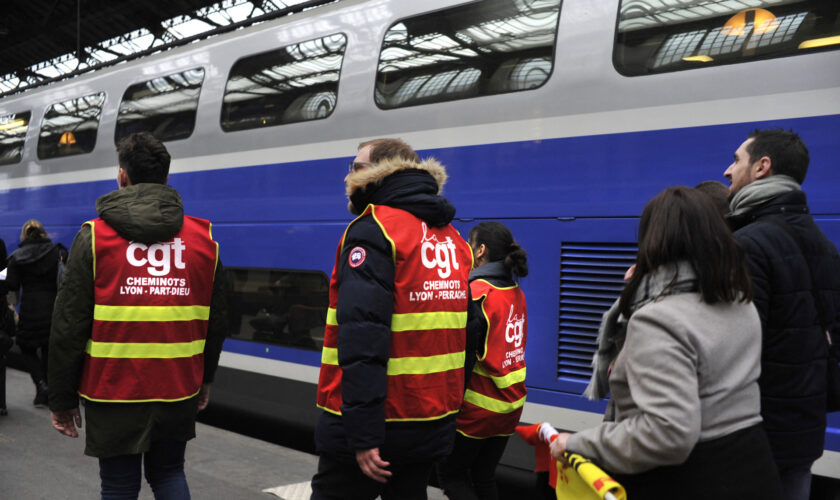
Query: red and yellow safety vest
[[428, 325], [496, 393], [151, 309]]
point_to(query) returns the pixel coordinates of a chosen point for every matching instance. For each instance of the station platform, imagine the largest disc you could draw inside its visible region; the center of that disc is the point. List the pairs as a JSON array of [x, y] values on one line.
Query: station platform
[[36, 462]]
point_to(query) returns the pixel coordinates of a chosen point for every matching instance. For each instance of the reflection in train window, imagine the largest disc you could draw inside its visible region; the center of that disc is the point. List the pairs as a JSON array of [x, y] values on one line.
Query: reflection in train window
[[483, 48], [278, 306], [13, 129], [656, 36], [164, 106], [293, 84], [69, 127]]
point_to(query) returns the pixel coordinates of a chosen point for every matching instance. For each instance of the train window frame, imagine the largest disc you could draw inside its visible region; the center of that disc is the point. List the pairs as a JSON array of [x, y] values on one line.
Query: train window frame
[[230, 129], [458, 72], [271, 324], [149, 82], [698, 61], [6, 125], [39, 148]]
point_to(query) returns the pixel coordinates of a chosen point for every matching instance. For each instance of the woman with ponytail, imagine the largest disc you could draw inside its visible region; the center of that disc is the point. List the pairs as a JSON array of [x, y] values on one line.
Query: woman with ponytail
[[495, 393]]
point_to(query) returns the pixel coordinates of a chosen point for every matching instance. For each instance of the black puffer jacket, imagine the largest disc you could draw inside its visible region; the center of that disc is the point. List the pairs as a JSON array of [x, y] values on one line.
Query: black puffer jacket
[[793, 367], [33, 267], [366, 304]]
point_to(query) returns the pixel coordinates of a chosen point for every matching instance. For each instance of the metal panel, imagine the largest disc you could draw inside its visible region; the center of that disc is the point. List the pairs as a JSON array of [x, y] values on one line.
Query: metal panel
[[591, 279]]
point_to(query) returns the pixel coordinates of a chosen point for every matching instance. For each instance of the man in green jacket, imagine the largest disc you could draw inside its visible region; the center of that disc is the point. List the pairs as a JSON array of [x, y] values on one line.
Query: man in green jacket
[[138, 327]]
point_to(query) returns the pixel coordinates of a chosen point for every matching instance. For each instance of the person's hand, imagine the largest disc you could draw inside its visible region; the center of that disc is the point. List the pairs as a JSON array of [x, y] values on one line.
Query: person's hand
[[373, 466], [66, 422], [203, 396], [558, 447]]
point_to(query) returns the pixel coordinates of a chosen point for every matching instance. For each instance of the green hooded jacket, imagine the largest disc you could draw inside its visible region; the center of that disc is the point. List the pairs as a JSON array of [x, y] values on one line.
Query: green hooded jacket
[[147, 213]]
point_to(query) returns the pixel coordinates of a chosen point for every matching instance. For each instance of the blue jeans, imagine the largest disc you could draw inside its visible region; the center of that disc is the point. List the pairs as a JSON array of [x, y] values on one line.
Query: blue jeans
[[164, 467]]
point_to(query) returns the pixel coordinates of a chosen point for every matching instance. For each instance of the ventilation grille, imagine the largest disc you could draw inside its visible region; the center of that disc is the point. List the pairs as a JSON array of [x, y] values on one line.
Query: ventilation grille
[[591, 278]]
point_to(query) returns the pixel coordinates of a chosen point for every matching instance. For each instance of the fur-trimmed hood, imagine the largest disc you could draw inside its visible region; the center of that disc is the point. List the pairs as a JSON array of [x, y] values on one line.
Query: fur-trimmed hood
[[383, 169], [404, 184]]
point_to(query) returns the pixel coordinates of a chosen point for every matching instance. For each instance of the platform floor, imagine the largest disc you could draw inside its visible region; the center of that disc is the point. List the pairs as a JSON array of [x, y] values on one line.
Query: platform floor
[[36, 462]]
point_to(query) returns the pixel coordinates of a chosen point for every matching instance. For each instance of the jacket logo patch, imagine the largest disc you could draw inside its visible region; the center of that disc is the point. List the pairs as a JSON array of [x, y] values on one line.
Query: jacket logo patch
[[437, 254], [515, 328], [357, 257], [158, 256]]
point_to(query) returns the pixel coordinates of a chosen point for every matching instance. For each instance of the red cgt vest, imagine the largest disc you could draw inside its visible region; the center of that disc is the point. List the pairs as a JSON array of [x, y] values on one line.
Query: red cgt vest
[[496, 393], [151, 307], [428, 325]]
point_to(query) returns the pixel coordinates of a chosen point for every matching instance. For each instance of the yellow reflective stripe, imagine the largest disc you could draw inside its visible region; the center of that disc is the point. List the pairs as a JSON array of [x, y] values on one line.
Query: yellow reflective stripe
[[92, 244], [428, 321], [329, 356], [144, 350], [505, 381], [139, 400], [424, 365], [331, 317], [491, 404], [150, 313], [419, 365]]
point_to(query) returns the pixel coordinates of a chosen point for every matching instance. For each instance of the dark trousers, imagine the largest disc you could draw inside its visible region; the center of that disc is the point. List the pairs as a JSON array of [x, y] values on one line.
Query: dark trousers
[[338, 480], [164, 468], [469, 473], [35, 362]]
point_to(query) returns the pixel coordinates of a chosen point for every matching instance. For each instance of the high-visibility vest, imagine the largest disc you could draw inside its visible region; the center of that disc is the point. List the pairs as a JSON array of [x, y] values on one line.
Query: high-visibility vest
[[428, 325], [150, 316], [496, 393]]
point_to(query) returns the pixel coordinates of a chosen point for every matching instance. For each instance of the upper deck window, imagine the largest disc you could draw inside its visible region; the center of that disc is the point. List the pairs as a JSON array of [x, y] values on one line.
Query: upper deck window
[[656, 36], [13, 129], [482, 48], [292, 84], [69, 127], [165, 106]]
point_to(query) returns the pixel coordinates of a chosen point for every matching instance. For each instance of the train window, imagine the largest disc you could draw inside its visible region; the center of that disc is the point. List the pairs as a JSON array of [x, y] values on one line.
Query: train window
[[655, 36], [292, 84], [13, 129], [483, 48], [69, 127], [165, 106], [278, 306]]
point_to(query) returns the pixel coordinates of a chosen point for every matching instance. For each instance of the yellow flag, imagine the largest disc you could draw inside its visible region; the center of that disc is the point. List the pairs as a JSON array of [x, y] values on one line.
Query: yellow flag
[[583, 480]]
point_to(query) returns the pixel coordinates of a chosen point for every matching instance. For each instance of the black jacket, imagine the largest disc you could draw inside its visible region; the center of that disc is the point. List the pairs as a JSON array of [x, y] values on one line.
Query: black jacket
[[365, 299], [794, 355], [33, 267]]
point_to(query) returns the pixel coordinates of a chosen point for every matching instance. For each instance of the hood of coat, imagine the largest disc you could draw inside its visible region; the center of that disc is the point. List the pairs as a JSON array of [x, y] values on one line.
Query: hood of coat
[[147, 213], [32, 250], [407, 185]]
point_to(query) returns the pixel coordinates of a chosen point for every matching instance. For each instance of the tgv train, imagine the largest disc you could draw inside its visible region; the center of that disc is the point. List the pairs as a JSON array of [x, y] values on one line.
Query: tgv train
[[559, 118]]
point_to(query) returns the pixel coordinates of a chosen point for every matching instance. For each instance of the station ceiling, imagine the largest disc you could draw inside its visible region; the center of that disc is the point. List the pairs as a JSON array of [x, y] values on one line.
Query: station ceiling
[[33, 31]]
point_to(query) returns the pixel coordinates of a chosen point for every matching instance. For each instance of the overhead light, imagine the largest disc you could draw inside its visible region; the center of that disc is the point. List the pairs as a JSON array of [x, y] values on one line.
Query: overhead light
[[12, 124], [698, 59], [67, 138], [762, 20], [820, 42]]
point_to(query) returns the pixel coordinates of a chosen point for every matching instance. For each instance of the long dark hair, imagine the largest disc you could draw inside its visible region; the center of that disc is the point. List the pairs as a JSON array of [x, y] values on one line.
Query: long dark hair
[[501, 246], [682, 223]]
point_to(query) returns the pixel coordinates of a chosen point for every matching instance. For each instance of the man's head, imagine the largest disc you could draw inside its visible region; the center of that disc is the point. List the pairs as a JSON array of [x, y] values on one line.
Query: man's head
[[372, 152], [766, 153], [718, 192], [142, 158], [369, 155]]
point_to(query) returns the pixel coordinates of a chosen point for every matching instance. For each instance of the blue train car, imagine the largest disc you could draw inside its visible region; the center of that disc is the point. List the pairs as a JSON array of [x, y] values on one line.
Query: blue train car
[[561, 119]]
